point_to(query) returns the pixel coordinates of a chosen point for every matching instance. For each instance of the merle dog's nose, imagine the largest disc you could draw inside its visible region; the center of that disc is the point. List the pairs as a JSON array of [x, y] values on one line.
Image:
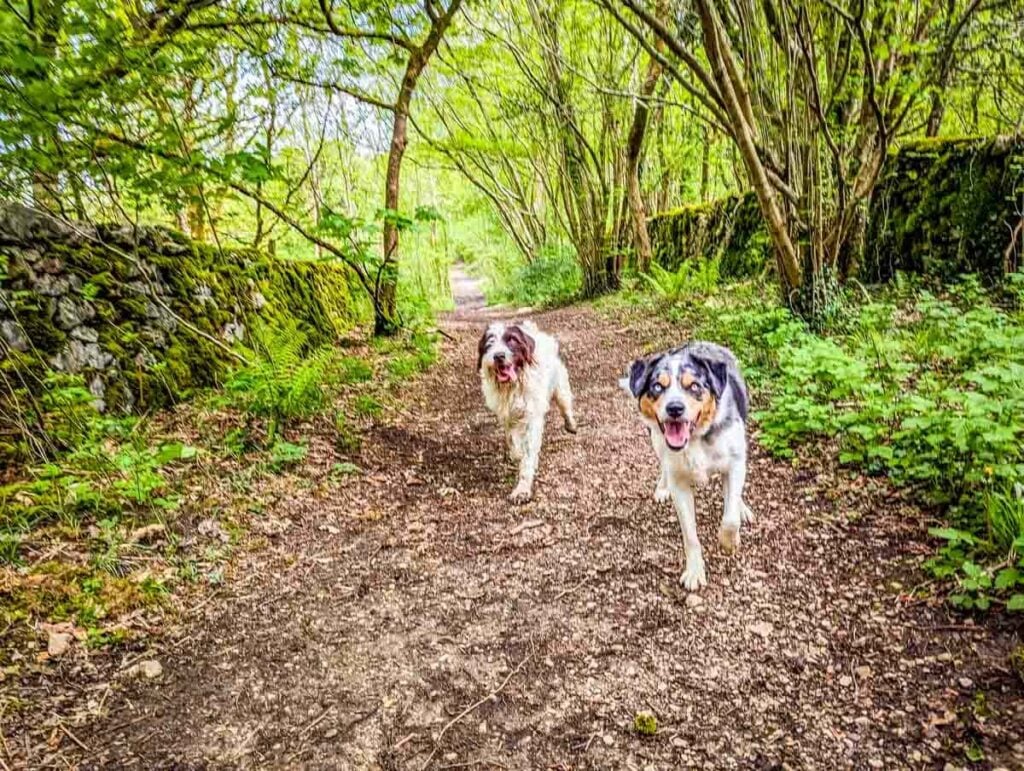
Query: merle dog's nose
[[675, 410]]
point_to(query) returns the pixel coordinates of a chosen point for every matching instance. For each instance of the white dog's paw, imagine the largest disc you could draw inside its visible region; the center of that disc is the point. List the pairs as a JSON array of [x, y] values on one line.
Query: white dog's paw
[[729, 538], [694, 577], [746, 513], [662, 494], [521, 494]]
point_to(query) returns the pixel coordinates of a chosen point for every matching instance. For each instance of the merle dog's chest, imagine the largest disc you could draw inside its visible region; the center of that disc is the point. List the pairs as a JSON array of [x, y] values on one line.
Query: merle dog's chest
[[698, 462]]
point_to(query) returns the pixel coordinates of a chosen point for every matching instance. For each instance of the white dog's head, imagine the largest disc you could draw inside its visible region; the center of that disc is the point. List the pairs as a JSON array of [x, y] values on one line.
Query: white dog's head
[[505, 351]]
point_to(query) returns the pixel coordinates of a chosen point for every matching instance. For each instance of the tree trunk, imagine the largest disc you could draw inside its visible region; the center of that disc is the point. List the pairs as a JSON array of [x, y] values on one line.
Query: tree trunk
[[45, 180], [385, 315], [719, 57], [385, 320], [705, 165], [634, 150]]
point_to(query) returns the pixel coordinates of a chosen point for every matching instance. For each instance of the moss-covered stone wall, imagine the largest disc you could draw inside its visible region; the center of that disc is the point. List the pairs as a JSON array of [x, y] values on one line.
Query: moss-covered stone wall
[[144, 315], [944, 208], [730, 228]]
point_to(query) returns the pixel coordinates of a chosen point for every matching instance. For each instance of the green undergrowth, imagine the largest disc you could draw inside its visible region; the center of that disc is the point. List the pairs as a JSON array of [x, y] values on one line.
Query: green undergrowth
[[120, 516], [553, 278], [922, 386]]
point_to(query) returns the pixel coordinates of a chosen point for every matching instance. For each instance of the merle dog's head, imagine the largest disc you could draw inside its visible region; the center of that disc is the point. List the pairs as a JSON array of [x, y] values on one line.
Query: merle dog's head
[[505, 351], [678, 392]]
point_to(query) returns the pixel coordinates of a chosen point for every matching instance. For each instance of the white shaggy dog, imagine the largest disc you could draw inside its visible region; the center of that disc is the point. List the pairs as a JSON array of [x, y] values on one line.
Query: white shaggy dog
[[694, 402], [520, 371]]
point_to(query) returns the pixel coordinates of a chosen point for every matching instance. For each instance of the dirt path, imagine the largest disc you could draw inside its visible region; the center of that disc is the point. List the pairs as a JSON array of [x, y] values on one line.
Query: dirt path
[[414, 619]]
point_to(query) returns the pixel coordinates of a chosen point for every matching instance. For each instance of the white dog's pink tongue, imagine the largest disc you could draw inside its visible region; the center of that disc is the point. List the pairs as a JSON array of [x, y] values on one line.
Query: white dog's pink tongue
[[677, 433]]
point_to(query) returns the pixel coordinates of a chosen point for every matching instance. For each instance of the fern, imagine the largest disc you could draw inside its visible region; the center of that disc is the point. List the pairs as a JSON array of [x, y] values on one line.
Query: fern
[[282, 383], [692, 277]]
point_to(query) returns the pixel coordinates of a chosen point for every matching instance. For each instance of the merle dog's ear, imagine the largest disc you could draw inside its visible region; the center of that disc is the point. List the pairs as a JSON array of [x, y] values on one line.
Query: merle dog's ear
[[482, 346], [639, 372], [718, 376]]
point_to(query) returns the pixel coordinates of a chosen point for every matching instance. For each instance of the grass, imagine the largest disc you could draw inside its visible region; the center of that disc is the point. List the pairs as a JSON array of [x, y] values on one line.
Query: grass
[[120, 503]]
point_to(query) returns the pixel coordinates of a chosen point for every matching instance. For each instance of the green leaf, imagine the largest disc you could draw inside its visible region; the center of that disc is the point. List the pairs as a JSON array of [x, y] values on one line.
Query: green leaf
[[1015, 603], [952, 534], [1007, 578]]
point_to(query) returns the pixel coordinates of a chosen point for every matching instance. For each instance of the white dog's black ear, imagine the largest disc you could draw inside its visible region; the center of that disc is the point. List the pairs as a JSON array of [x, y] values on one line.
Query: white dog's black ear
[[639, 373]]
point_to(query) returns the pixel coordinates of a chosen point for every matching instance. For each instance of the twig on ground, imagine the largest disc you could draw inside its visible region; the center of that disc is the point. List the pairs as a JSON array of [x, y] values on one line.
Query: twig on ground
[[473, 706], [204, 603], [72, 737], [570, 590], [477, 762], [318, 721], [945, 628], [403, 741], [527, 525]]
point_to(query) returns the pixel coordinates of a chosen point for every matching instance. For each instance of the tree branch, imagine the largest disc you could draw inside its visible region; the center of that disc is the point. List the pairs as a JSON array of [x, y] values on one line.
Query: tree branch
[[349, 32]]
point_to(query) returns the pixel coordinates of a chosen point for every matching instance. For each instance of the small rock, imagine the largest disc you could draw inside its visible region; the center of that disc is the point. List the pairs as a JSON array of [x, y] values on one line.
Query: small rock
[[863, 672], [694, 600], [52, 286], [966, 682], [212, 529], [85, 334], [72, 313], [330, 733], [147, 533], [58, 643], [762, 629], [608, 740], [149, 669], [846, 681], [51, 265], [233, 332], [13, 333]]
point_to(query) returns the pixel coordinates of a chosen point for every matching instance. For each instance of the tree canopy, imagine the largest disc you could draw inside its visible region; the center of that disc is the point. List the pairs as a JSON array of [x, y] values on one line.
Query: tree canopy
[[286, 125]]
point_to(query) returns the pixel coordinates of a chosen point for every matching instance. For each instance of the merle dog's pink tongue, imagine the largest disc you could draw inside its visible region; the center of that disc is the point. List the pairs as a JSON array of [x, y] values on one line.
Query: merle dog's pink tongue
[[677, 433]]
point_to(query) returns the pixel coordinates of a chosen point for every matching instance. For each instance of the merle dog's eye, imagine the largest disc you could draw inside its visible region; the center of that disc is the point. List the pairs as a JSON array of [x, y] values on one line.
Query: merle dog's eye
[[657, 388], [695, 388]]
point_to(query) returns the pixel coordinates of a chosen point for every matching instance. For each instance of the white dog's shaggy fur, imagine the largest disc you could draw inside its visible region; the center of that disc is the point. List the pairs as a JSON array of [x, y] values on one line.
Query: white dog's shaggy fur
[[520, 371]]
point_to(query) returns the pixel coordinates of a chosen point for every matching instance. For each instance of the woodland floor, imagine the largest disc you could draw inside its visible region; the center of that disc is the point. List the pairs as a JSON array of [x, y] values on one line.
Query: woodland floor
[[414, 619]]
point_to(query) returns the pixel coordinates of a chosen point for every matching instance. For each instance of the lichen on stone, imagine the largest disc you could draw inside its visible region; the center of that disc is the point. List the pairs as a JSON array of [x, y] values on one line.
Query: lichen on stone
[[145, 315]]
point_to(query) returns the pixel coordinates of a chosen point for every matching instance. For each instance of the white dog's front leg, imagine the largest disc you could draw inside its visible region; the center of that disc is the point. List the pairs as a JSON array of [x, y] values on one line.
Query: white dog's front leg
[[514, 442], [694, 576], [735, 509], [529, 439]]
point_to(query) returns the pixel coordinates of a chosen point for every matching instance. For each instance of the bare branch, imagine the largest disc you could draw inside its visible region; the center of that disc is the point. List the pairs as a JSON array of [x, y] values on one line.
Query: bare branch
[[360, 34]]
